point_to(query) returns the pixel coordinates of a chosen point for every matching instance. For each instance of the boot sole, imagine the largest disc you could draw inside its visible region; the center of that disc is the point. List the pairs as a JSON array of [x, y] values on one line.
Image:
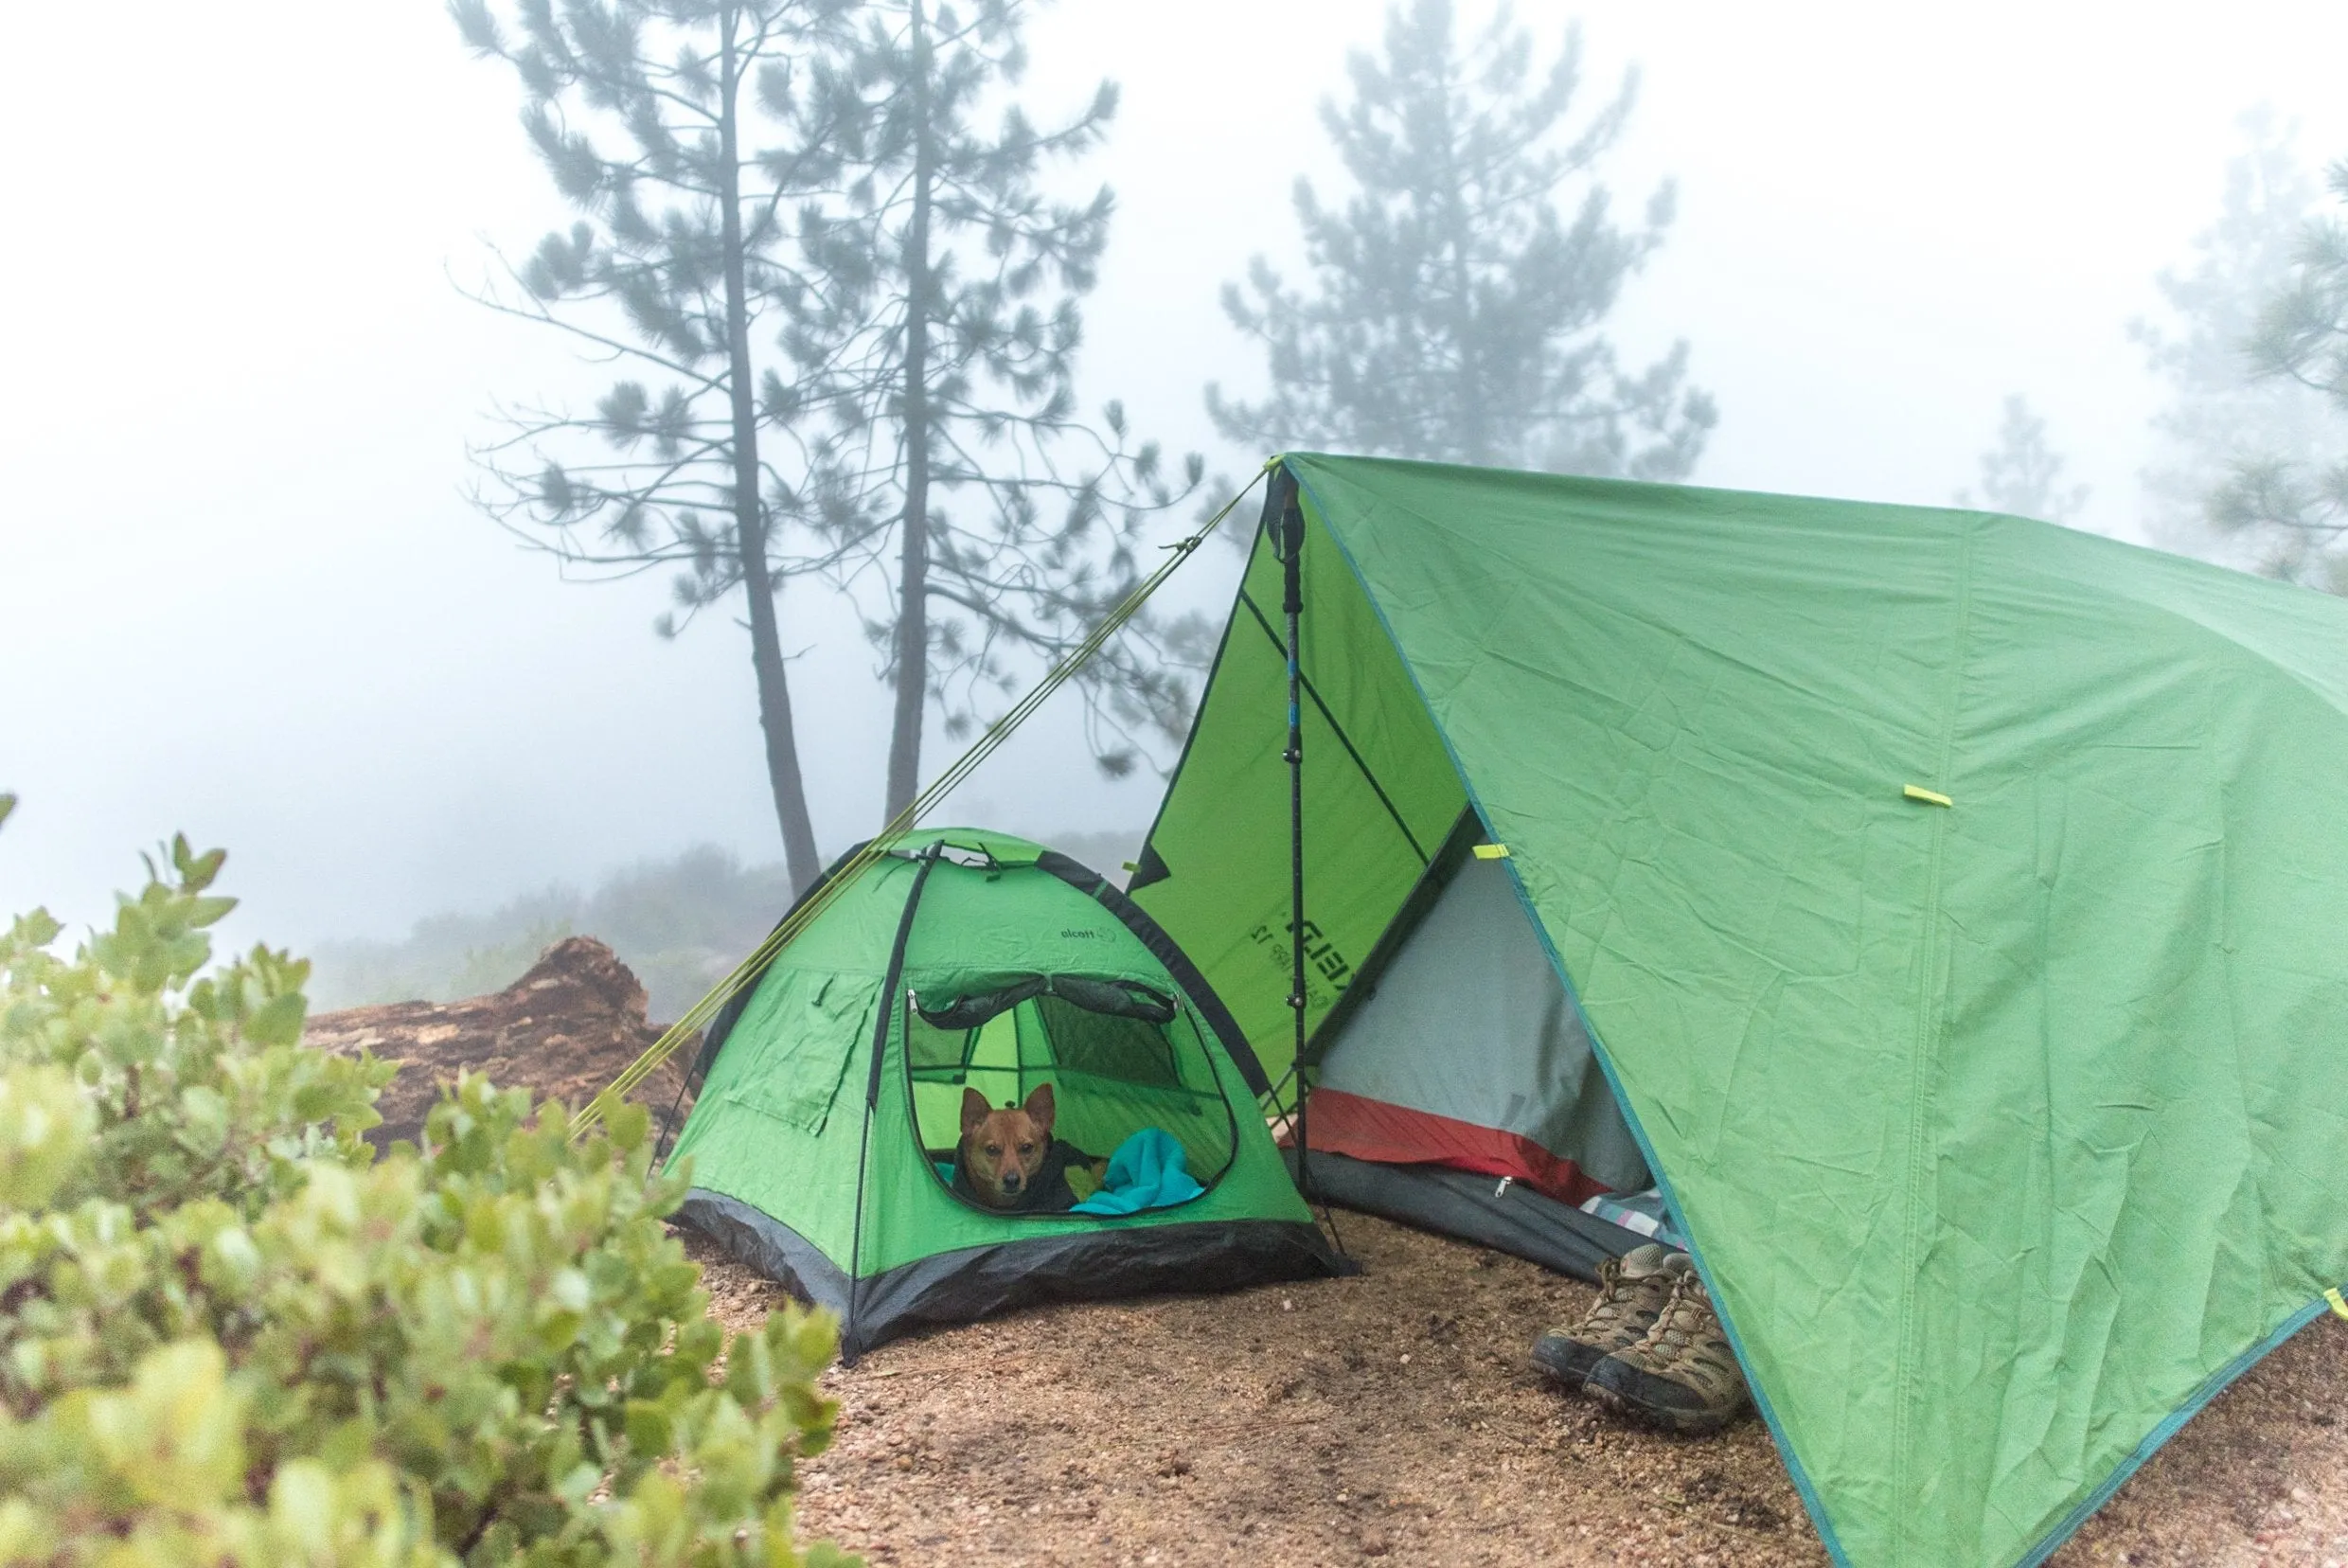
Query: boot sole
[[1656, 1402], [1564, 1362]]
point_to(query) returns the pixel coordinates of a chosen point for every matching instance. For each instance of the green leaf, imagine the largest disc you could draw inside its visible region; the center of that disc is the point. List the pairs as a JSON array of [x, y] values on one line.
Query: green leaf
[[208, 912], [648, 1429], [278, 1020], [45, 1123], [177, 1437], [195, 871], [302, 1508], [232, 1265]]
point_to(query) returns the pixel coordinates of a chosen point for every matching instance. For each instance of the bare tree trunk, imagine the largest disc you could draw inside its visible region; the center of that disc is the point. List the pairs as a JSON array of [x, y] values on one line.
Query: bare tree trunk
[[750, 524], [912, 620]]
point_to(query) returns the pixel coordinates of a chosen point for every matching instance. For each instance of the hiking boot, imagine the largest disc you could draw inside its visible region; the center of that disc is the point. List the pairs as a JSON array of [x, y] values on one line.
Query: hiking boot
[[1682, 1376], [1631, 1293]]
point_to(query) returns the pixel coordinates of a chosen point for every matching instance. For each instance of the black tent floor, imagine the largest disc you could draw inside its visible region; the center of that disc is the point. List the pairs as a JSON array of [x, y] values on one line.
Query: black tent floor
[[1512, 1218], [975, 1282]]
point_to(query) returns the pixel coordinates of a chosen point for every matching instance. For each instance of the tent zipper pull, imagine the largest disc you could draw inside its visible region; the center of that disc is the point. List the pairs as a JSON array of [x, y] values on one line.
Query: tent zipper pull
[[2338, 1306], [1930, 797]]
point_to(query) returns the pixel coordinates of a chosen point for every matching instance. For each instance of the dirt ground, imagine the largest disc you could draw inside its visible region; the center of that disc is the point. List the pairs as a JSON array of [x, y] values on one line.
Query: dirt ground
[[1392, 1416], [1385, 1418]]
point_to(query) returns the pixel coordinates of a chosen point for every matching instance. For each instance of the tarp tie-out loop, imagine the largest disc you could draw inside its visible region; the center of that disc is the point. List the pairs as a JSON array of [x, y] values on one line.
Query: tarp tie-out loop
[[812, 908]]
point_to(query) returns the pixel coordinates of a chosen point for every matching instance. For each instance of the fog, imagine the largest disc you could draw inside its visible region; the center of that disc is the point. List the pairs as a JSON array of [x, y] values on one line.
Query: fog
[[242, 593]]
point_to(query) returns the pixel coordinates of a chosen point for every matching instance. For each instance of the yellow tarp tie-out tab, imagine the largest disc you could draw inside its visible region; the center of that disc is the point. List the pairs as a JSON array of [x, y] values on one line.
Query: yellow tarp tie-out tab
[[2338, 1305], [1491, 851], [1931, 798]]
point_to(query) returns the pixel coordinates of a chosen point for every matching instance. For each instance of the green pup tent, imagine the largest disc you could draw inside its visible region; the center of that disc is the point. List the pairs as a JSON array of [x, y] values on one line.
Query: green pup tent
[[823, 1141], [1939, 908]]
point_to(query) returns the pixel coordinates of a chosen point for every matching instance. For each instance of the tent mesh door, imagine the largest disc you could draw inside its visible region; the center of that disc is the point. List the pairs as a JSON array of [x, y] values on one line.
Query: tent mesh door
[[1111, 1077]]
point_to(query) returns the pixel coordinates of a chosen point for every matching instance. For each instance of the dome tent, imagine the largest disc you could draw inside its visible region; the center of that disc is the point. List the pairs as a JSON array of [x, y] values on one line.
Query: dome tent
[[823, 1141], [1945, 905]]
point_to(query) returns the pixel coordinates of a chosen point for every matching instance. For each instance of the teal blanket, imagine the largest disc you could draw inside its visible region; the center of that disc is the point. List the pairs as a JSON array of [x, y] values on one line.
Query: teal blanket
[[1148, 1171]]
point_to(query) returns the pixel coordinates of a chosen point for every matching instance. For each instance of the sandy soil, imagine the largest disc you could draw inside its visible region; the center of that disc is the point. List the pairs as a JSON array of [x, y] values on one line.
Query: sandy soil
[[1392, 1416]]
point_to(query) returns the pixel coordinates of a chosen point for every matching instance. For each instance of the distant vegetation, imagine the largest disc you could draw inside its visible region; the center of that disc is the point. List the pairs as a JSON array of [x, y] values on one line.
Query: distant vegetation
[[2252, 449], [680, 924], [1455, 298]]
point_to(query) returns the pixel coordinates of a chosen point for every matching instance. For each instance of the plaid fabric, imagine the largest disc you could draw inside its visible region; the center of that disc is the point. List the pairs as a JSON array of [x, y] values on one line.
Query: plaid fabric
[[1642, 1213]]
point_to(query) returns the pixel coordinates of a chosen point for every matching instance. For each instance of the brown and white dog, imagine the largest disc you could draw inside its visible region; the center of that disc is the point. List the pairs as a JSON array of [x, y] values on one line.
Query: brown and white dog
[[1005, 1153]]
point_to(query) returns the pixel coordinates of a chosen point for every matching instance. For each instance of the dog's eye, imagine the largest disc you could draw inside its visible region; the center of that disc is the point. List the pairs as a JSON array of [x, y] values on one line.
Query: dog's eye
[[1026, 1148], [994, 1149]]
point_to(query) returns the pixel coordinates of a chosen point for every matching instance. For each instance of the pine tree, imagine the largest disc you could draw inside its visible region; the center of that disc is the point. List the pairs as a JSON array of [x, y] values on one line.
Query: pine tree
[[2222, 419], [1454, 312], [660, 122], [2297, 507], [941, 347], [2022, 474]]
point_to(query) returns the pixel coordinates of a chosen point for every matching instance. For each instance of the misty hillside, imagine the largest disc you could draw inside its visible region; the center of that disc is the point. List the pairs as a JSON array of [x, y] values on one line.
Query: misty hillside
[[680, 924]]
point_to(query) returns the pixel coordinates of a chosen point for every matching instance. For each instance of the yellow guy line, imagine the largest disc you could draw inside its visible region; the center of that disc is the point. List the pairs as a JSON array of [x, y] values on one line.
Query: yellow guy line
[[700, 1012]]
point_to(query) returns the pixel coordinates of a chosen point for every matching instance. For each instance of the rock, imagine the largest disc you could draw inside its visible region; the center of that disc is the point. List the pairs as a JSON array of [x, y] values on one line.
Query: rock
[[564, 1031]]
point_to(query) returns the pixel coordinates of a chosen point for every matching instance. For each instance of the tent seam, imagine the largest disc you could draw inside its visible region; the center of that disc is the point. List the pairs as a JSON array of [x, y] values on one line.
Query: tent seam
[[1795, 1470], [1931, 1014], [1360, 764]]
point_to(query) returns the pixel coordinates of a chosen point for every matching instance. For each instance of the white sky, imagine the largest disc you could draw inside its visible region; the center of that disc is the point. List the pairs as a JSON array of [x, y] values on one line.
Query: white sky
[[241, 592]]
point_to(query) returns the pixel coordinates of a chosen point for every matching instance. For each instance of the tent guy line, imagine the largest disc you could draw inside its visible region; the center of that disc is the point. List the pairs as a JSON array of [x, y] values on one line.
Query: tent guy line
[[695, 1018]]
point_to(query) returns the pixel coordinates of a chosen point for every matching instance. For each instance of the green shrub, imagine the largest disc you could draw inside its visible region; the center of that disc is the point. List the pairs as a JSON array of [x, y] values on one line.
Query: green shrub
[[228, 1338]]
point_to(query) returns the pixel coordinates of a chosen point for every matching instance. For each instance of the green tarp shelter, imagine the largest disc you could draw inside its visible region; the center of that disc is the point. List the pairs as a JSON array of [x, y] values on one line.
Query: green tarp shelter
[[825, 1135], [1948, 902]]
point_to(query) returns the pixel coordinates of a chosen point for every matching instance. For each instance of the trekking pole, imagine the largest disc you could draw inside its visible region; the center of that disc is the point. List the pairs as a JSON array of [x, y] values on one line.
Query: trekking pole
[[1289, 539]]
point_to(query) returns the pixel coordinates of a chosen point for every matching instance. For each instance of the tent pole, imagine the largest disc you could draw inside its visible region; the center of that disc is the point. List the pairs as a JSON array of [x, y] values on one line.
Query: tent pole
[[1291, 525], [848, 1353], [886, 1010]]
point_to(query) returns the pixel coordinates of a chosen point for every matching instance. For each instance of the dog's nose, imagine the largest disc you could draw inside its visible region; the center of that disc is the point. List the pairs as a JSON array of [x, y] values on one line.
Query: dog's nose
[[1011, 1180]]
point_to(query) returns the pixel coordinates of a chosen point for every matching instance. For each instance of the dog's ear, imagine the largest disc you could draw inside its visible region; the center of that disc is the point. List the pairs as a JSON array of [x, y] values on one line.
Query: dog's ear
[[1041, 1109], [974, 1110]]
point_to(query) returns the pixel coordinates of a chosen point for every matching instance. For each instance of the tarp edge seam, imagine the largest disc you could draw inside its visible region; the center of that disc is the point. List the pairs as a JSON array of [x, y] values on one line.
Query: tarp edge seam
[[2212, 1386]]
